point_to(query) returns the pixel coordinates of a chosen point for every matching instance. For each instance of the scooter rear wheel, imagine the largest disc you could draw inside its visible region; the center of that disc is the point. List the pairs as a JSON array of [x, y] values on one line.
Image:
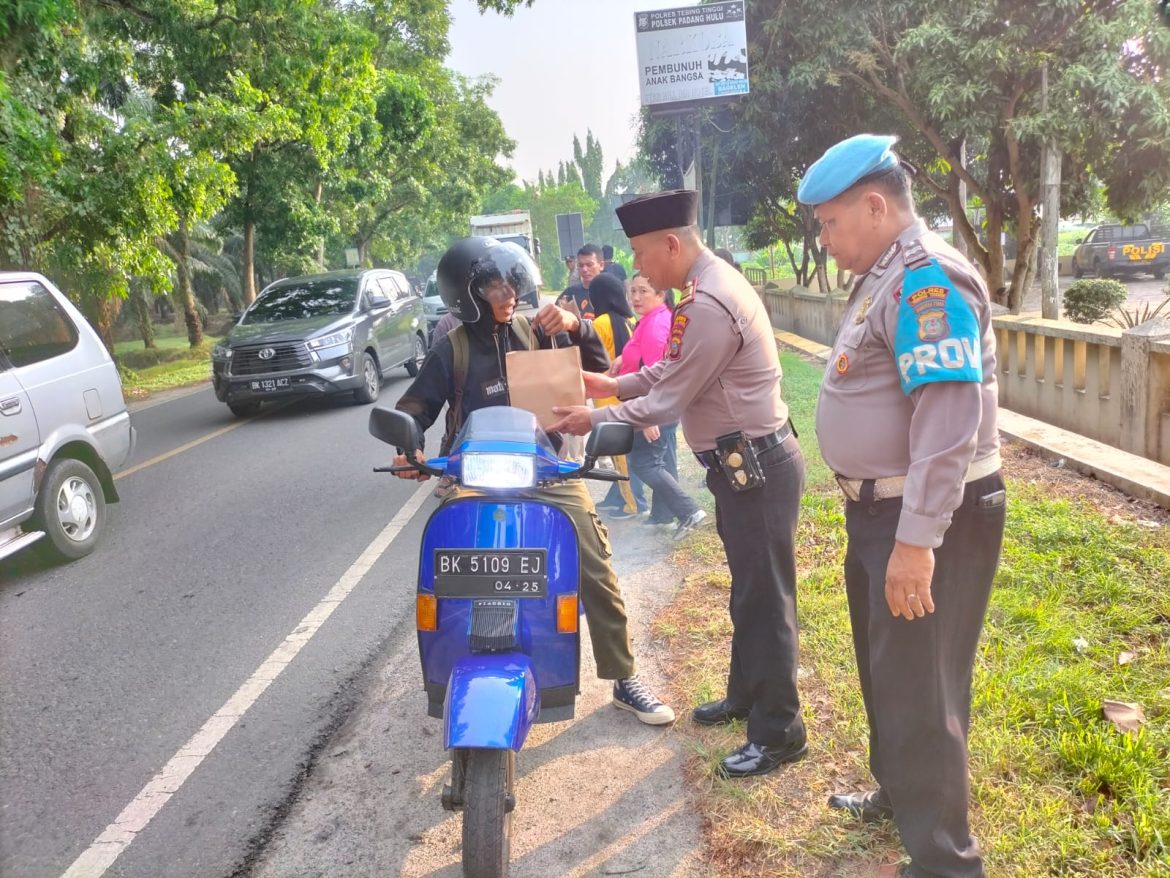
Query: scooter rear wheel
[[487, 812]]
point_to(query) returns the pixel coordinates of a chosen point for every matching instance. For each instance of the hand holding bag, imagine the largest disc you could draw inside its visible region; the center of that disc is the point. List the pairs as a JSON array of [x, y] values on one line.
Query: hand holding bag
[[541, 379]]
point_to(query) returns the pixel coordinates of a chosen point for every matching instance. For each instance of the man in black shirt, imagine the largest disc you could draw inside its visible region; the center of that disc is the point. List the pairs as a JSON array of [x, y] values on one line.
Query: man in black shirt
[[590, 263]]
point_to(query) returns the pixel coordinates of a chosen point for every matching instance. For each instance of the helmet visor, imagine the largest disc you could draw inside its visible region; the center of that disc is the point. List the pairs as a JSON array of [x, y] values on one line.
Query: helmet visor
[[496, 291], [503, 274]]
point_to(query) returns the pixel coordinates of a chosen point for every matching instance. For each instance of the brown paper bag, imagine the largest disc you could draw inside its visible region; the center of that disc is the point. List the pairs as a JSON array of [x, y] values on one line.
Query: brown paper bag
[[539, 380]]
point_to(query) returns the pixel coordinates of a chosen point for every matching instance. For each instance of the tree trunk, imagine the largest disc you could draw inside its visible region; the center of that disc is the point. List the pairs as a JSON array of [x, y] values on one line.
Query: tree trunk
[[1025, 270], [957, 198], [823, 276], [142, 315], [317, 193], [994, 265], [792, 262], [100, 313], [249, 258], [186, 288], [710, 193]]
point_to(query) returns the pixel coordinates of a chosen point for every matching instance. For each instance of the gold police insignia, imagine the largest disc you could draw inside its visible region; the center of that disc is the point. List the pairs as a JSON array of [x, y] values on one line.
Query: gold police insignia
[[863, 310]]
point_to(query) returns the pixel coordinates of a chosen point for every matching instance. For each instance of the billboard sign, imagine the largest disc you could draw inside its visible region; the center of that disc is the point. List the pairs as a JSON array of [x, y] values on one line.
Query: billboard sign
[[692, 53]]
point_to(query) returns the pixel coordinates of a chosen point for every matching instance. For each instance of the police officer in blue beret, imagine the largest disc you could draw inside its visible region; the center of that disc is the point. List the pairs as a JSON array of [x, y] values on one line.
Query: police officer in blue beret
[[907, 421]]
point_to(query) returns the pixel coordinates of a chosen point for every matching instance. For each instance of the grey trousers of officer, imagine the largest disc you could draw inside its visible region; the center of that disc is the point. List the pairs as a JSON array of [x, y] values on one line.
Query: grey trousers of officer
[[916, 675], [601, 596], [758, 530]]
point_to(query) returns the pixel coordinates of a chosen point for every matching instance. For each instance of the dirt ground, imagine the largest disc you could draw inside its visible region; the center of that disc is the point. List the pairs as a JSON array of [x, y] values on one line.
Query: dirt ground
[[1024, 465]]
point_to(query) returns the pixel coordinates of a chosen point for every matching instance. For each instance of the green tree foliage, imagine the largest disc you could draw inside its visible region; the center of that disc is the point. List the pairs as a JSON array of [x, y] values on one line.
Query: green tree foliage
[[968, 72], [298, 128]]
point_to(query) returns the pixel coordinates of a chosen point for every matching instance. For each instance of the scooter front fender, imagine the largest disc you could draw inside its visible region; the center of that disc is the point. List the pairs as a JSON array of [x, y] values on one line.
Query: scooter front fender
[[492, 701]]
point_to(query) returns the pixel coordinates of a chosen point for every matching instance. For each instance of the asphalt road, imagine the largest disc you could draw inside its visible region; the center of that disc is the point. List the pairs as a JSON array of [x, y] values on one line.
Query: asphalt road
[[215, 555]]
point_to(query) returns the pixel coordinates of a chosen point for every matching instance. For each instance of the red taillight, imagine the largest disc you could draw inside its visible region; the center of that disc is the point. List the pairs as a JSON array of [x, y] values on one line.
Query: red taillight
[[1112, 252]]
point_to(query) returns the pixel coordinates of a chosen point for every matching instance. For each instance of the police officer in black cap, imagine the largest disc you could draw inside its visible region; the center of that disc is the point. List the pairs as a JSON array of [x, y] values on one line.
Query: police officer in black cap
[[721, 378]]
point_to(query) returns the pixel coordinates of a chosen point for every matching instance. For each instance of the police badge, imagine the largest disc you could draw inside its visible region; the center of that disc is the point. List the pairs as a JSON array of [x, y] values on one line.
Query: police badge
[[930, 306]]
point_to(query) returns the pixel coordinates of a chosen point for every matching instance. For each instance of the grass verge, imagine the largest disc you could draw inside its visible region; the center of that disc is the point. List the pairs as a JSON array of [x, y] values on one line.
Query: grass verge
[[1080, 613], [169, 367]]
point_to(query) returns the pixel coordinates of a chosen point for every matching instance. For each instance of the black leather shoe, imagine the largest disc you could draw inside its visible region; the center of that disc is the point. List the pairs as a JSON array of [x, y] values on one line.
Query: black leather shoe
[[871, 807], [716, 713], [752, 759]]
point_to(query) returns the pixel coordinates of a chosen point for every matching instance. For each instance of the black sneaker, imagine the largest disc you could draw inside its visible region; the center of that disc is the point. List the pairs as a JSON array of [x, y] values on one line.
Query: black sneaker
[[689, 523], [632, 695]]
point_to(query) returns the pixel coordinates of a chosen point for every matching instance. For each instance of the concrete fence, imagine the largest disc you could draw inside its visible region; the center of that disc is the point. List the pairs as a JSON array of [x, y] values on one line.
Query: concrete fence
[[1104, 383], [1107, 384], [810, 315]]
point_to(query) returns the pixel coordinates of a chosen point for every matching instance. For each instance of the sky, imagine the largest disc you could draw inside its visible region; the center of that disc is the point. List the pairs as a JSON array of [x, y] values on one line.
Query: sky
[[564, 66]]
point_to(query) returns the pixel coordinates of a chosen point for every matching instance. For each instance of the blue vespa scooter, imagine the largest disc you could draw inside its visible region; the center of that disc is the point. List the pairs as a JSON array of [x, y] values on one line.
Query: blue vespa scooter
[[497, 606]]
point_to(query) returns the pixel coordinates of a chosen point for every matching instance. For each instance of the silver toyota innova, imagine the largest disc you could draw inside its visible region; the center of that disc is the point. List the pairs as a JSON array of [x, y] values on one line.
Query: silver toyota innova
[[64, 427]]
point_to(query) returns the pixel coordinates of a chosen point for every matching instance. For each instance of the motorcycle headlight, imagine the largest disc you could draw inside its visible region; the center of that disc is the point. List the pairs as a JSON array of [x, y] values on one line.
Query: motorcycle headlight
[[330, 341], [220, 352], [482, 470]]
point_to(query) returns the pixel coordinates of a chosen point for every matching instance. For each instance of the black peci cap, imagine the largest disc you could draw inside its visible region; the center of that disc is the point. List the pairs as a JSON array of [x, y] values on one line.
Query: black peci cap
[[662, 210]]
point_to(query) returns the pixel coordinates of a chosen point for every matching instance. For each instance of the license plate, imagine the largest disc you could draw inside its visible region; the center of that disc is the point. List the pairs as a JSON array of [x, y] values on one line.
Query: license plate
[[471, 573], [270, 384]]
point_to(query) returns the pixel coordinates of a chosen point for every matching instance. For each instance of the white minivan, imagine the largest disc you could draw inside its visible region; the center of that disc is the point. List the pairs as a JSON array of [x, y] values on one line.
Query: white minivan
[[64, 428]]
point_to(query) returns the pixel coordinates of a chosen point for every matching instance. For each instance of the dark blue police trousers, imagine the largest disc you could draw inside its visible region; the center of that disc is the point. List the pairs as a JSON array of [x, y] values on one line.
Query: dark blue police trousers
[[916, 675]]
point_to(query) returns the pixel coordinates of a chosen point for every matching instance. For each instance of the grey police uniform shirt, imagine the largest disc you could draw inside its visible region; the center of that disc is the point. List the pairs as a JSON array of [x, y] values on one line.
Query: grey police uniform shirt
[[910, 387], [721, 372]]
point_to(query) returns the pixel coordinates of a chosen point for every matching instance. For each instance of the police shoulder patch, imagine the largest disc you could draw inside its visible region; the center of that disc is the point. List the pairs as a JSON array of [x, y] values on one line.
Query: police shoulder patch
[[938, 337]]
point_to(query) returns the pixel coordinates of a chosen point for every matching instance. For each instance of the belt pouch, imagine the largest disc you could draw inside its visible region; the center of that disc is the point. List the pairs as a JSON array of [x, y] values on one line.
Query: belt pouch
[[740, 464]]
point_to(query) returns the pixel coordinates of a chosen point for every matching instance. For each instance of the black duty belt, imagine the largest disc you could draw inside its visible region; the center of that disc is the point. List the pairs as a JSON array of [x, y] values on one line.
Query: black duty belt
[[765, 443]]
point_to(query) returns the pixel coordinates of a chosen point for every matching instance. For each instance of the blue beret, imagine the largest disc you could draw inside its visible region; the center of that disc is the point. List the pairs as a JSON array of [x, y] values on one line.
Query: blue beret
[[844, 163]]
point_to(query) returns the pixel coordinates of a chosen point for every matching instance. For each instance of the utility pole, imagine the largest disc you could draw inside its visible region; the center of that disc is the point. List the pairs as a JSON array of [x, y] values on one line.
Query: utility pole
[[698, 123], [1049, 217]]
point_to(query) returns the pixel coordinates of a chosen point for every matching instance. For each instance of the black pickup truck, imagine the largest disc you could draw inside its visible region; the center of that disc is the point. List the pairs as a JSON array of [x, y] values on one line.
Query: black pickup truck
[[1113, 249]]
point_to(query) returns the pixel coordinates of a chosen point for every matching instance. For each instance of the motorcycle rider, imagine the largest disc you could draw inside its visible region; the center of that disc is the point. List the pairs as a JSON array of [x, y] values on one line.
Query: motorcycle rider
[[480, 280]]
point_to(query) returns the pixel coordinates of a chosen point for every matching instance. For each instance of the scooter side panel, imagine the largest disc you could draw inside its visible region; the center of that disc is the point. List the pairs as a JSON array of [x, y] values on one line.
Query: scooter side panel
[[492, 701], [503, 523]]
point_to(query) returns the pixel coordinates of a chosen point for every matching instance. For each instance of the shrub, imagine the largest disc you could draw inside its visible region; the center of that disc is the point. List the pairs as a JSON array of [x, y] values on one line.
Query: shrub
[[1086, 301]]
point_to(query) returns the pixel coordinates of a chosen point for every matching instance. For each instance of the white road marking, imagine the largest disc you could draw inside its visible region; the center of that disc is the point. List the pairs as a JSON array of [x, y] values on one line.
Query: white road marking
[[135, 817]]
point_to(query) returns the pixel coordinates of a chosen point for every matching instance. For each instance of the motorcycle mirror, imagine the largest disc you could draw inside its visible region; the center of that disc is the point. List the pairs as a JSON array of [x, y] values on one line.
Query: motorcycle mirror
[[609, 439], [395, 428]]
